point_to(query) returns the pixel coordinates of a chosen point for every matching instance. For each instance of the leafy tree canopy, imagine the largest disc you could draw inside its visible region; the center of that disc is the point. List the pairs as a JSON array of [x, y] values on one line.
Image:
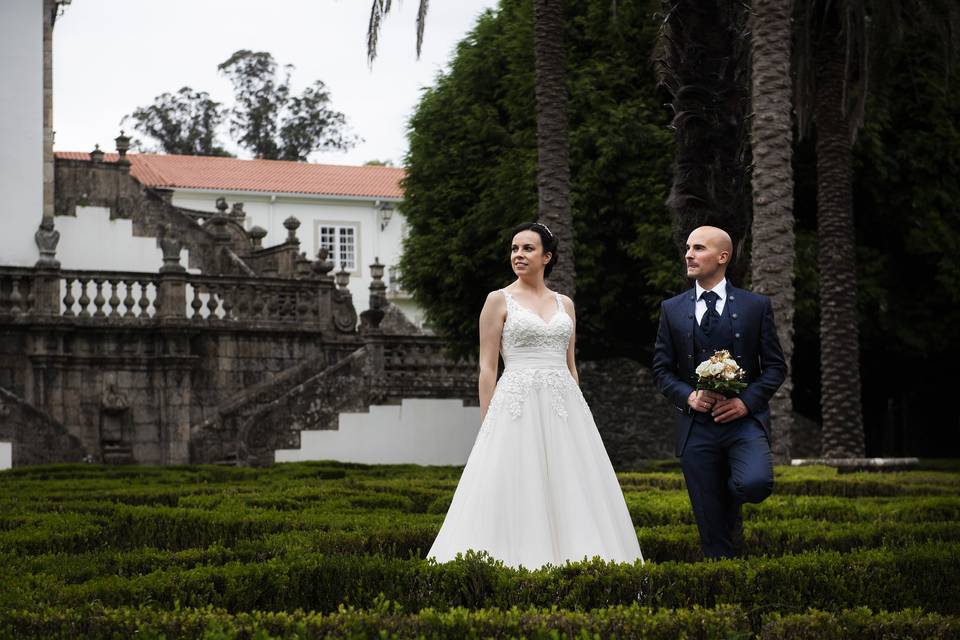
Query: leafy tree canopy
[[471, 175], [266, 117], [272, 123], [182, 123]]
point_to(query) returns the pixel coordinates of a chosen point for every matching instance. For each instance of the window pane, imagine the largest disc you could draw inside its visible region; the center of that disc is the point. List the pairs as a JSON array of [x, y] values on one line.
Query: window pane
[[347, 250]]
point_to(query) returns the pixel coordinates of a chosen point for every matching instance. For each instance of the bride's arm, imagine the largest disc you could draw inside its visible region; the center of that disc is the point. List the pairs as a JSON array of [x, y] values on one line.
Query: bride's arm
[[491, 326], [571, 348]]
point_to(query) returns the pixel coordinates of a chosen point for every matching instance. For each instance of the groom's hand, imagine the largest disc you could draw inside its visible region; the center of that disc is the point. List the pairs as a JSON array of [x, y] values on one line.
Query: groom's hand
[[703, 400], [729, 409]]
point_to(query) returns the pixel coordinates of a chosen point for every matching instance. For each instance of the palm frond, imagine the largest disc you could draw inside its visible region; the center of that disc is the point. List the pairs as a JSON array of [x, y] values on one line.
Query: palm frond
[[421, 23], [378, 10]]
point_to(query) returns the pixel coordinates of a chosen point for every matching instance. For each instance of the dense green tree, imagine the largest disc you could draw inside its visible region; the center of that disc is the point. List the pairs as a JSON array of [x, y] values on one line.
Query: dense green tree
[[271, 122], [181, 123], [553, 147], [472, 170], [702, 64]]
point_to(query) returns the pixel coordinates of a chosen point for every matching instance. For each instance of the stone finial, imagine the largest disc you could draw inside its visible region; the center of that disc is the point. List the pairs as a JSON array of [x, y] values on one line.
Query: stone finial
[[323, 264], [343, 276], [96, 156], [222, 205], [256, 235], [237, 211], [171, 247], [292, 224], [123, 145], [378, 290], [47, 239], [370, 319]]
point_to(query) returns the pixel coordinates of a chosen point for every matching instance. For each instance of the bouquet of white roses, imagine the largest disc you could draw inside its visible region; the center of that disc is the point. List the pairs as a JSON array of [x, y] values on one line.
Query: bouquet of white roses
[[722, 374]]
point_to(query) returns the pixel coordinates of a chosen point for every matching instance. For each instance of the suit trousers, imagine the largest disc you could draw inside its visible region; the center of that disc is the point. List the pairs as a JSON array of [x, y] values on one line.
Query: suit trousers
[[725, 465]]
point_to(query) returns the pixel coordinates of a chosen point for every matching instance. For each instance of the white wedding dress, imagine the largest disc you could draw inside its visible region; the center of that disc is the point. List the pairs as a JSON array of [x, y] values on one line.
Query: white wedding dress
[[538, 487]]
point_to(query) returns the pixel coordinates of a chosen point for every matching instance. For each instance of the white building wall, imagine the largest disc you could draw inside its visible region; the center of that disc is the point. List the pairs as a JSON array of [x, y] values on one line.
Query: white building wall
[[440, 432], [269, 212], [91, 240], [21, 129]]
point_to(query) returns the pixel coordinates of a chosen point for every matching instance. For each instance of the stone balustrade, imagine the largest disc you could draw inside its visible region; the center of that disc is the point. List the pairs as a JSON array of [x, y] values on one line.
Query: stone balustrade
[[16, 291], [95, 294], [175, 295]]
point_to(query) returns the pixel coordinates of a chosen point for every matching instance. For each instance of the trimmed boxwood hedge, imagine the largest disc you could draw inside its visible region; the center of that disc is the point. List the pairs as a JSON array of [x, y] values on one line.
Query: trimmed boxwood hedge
[[387, 620], [326, 537]]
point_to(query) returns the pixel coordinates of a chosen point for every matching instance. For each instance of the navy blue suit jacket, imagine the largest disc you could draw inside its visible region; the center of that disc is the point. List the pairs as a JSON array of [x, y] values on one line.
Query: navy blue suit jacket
[[755, 347]]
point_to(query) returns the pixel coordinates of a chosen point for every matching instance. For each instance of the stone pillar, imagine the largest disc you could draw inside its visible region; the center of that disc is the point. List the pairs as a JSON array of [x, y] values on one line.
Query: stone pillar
[[49, 13], [171, 303], [46, 281], [175, 395]]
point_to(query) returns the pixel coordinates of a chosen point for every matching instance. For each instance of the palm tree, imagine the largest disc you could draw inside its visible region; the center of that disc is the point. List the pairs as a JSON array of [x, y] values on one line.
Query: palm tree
[[838, 43], [700, 63], [553, 165], [772, 234]]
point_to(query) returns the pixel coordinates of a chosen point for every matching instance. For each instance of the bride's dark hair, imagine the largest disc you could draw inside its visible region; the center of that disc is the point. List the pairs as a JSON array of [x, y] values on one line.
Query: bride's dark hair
[[547, 239]]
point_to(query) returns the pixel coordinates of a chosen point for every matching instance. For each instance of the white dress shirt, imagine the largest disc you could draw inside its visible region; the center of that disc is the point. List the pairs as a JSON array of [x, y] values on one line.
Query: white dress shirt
[[720, 290]]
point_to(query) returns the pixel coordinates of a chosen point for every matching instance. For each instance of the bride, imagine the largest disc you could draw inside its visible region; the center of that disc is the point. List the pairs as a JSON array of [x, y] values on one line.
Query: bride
[[538, 487]]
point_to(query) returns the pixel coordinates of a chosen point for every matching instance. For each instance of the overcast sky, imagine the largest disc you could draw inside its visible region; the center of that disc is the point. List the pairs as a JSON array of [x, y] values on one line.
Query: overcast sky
[[111, 56]]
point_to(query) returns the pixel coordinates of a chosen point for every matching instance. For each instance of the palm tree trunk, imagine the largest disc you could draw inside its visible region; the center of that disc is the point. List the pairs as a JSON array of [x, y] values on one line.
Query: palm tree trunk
[[553, 163], [771, 139], [705, 75], [842, 434]]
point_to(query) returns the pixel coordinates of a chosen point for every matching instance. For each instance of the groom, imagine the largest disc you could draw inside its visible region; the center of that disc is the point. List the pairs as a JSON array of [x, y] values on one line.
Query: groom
[[723, 443]]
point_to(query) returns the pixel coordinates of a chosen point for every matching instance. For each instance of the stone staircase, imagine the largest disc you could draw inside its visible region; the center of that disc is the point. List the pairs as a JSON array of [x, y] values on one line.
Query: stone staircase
[[35, 436], [252, 425]]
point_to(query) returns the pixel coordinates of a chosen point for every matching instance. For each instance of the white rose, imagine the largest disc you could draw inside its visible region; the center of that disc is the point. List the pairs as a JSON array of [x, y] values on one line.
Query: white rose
[[730, 362], [729, 374], [716, 368], [702, 368]]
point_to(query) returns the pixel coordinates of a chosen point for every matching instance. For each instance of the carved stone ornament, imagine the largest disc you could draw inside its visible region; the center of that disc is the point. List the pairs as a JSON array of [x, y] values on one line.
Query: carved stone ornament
[[171, 247], [47, 239], [113, 400]]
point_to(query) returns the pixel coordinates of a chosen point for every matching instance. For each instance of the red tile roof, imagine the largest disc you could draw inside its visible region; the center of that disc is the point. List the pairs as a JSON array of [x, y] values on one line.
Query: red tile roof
[[270, 176]]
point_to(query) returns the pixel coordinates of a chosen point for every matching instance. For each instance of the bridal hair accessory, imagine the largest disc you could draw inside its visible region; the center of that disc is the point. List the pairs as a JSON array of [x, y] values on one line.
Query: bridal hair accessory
[[722, 374], [545, 228]]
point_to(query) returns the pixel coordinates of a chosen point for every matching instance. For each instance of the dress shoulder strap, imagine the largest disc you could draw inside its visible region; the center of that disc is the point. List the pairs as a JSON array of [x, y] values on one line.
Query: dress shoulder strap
[[559, 301]]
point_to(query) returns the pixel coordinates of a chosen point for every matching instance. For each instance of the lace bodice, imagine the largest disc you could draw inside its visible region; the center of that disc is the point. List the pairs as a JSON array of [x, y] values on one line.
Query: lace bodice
[[535, 357], [524, 329]]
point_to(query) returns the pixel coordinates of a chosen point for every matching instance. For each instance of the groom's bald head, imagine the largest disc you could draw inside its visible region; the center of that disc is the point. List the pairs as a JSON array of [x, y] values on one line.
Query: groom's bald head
[[709, 250]]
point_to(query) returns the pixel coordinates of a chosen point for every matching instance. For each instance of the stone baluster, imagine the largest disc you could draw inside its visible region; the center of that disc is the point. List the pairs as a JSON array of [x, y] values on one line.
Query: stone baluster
[[98, 299], [257, 307], [212, 302], [144, 301], [196, 304], [128, 300], [68, 299], [242, 297], [114, 301], [16, 299], [84, 300], [229, 296]]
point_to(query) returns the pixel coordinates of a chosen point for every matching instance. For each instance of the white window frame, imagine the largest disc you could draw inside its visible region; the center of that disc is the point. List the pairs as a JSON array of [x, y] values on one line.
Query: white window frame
[[340, 227]]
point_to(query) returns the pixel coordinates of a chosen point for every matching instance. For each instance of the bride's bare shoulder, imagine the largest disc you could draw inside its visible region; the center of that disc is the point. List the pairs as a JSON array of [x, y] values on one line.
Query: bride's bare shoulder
[[495, 300], [566, 300]]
